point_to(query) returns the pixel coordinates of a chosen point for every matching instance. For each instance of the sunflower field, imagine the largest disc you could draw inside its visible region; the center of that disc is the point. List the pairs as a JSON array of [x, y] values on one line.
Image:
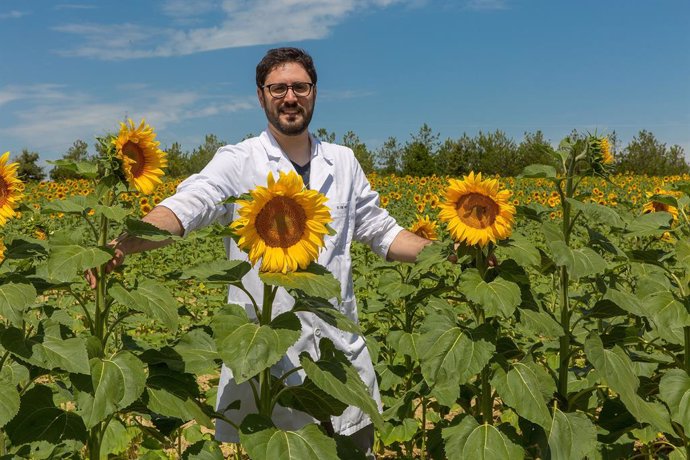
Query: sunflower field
[[549, 320]]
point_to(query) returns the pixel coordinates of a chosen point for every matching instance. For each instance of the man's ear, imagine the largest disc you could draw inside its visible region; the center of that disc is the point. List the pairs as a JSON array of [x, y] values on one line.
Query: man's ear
[[260, 96]]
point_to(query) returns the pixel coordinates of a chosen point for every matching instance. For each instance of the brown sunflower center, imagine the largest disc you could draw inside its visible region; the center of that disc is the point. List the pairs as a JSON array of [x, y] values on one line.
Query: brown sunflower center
[[4, 191], [136, 154], [281, 222], [476, 210]]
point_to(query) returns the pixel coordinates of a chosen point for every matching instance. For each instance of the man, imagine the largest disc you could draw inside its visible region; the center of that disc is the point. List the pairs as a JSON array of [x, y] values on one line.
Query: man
[[286, 89]]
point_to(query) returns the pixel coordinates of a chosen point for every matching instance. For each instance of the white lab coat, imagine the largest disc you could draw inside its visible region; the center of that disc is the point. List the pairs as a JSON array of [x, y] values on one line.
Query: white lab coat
[[354, 206]]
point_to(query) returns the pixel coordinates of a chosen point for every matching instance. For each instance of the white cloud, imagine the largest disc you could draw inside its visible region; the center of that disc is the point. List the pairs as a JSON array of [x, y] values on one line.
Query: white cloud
[[14, 14], [243, 23], [54, 120]]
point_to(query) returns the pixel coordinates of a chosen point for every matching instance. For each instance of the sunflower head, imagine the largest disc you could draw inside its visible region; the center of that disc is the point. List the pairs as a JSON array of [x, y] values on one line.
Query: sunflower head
[[3, 248], [425, 228], [283, 224], [660, 206], [600, 155], [11, 188], [476, 211], [141, 160]]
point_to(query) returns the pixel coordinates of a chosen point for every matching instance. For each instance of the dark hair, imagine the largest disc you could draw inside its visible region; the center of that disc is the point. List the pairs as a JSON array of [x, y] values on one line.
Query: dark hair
[[277, 56]]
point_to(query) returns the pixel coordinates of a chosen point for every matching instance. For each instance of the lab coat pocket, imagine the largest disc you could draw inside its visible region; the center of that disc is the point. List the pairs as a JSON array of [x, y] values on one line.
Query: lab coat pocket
[[340, 213]]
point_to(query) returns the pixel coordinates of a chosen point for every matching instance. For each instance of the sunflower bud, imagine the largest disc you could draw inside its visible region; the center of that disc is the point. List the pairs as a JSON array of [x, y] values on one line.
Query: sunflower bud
[[600, 155]]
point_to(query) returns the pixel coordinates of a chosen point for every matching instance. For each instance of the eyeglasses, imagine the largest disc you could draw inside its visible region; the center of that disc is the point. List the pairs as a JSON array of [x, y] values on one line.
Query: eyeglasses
[[279, 90]]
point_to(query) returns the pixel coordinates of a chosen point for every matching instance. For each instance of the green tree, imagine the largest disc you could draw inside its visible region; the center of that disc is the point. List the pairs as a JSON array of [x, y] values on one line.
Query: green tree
[[79, 151], [457, 157], [418, 153], [178, 161], [646, 155], [325, 136], [497, 154], [28, 169], [362, 153], [202, 155], [535, 149], [389, 157]]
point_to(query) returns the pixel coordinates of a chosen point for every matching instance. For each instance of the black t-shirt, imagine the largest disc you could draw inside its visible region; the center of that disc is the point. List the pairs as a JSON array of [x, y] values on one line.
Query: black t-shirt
[[303, 171]]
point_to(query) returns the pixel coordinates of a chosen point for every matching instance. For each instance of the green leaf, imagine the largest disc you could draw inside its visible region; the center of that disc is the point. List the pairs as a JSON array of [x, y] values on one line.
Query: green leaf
[[521, 249], [226, 320], [9, 403], [599, 213], [14, 300], [72, 205], [404, 343], [116, 383], [626, 301], [114, 213], [540, 323], [198, 351], [203, 450], [315, 281], [168, 404], [674, 390], [40, 420], [88, 169], [449, 356], [251, 348], [263, 441], [226, 271], [683, 253], [311, 399], [519, 389], [335, 374], [66, 261], [67, 354], [571, 435], [535, 171], [326, 312], [579, 262], [499, 297], [649, 224], [616, 368], [399, 432], [150, 298], [117, 439], [468, 439]]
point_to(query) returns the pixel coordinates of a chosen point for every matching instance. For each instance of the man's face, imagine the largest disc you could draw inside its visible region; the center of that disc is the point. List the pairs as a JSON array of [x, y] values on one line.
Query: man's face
[[291, 114]]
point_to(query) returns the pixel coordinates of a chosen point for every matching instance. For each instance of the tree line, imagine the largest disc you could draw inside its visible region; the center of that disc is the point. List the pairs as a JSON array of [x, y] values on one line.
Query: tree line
[[423, 154]]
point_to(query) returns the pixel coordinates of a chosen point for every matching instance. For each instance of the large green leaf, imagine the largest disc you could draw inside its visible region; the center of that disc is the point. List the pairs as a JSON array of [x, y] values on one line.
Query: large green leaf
[[168, 404], [326, 312], [198, 352], [468, 439], [226, 271], [315, 281], [674, 390], [311, 399], [67, 354], [14, 300], [539, 171], [521, 249], [405, 343], [499, 297], [450, 356], [572, 435], [226, 320], [616, 368], [9, 402], [66, 261], [600, 213], [399, 432], [251, 348], [114, 213], [650, 224], [203, 450], [150, 298], [335, 374], [665, 311], [579, 262], [147, 231], [626, 301], [263, 441], [40, 420], [683, 253], [116, 383], [72, 205], [519, 389]]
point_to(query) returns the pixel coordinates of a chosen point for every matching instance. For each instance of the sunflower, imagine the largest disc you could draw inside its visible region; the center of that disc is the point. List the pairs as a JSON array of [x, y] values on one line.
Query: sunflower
[[476, 211], [3, 248], [283, 224], [11, 188], [601, 157], [425, 228], [658, 206], [142, 160]]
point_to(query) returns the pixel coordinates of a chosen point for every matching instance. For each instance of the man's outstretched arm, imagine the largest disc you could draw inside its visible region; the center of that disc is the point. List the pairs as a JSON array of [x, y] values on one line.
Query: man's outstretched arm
[[406, 247], [161, 217]]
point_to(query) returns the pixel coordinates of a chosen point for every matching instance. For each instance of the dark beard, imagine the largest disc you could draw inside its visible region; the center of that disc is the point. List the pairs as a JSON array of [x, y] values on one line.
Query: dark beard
[[292, 129]]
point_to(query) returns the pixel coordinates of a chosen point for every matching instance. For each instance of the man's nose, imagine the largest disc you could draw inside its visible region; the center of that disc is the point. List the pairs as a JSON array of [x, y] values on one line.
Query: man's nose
[[290, 95]]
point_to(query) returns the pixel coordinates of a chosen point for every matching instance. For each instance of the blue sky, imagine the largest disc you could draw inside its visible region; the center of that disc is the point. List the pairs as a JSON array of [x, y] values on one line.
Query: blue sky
[[73, 70]]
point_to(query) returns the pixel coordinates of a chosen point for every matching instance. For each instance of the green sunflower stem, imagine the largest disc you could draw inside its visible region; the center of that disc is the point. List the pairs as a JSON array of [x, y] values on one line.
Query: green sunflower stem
[[686, 357], [265, 387]]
